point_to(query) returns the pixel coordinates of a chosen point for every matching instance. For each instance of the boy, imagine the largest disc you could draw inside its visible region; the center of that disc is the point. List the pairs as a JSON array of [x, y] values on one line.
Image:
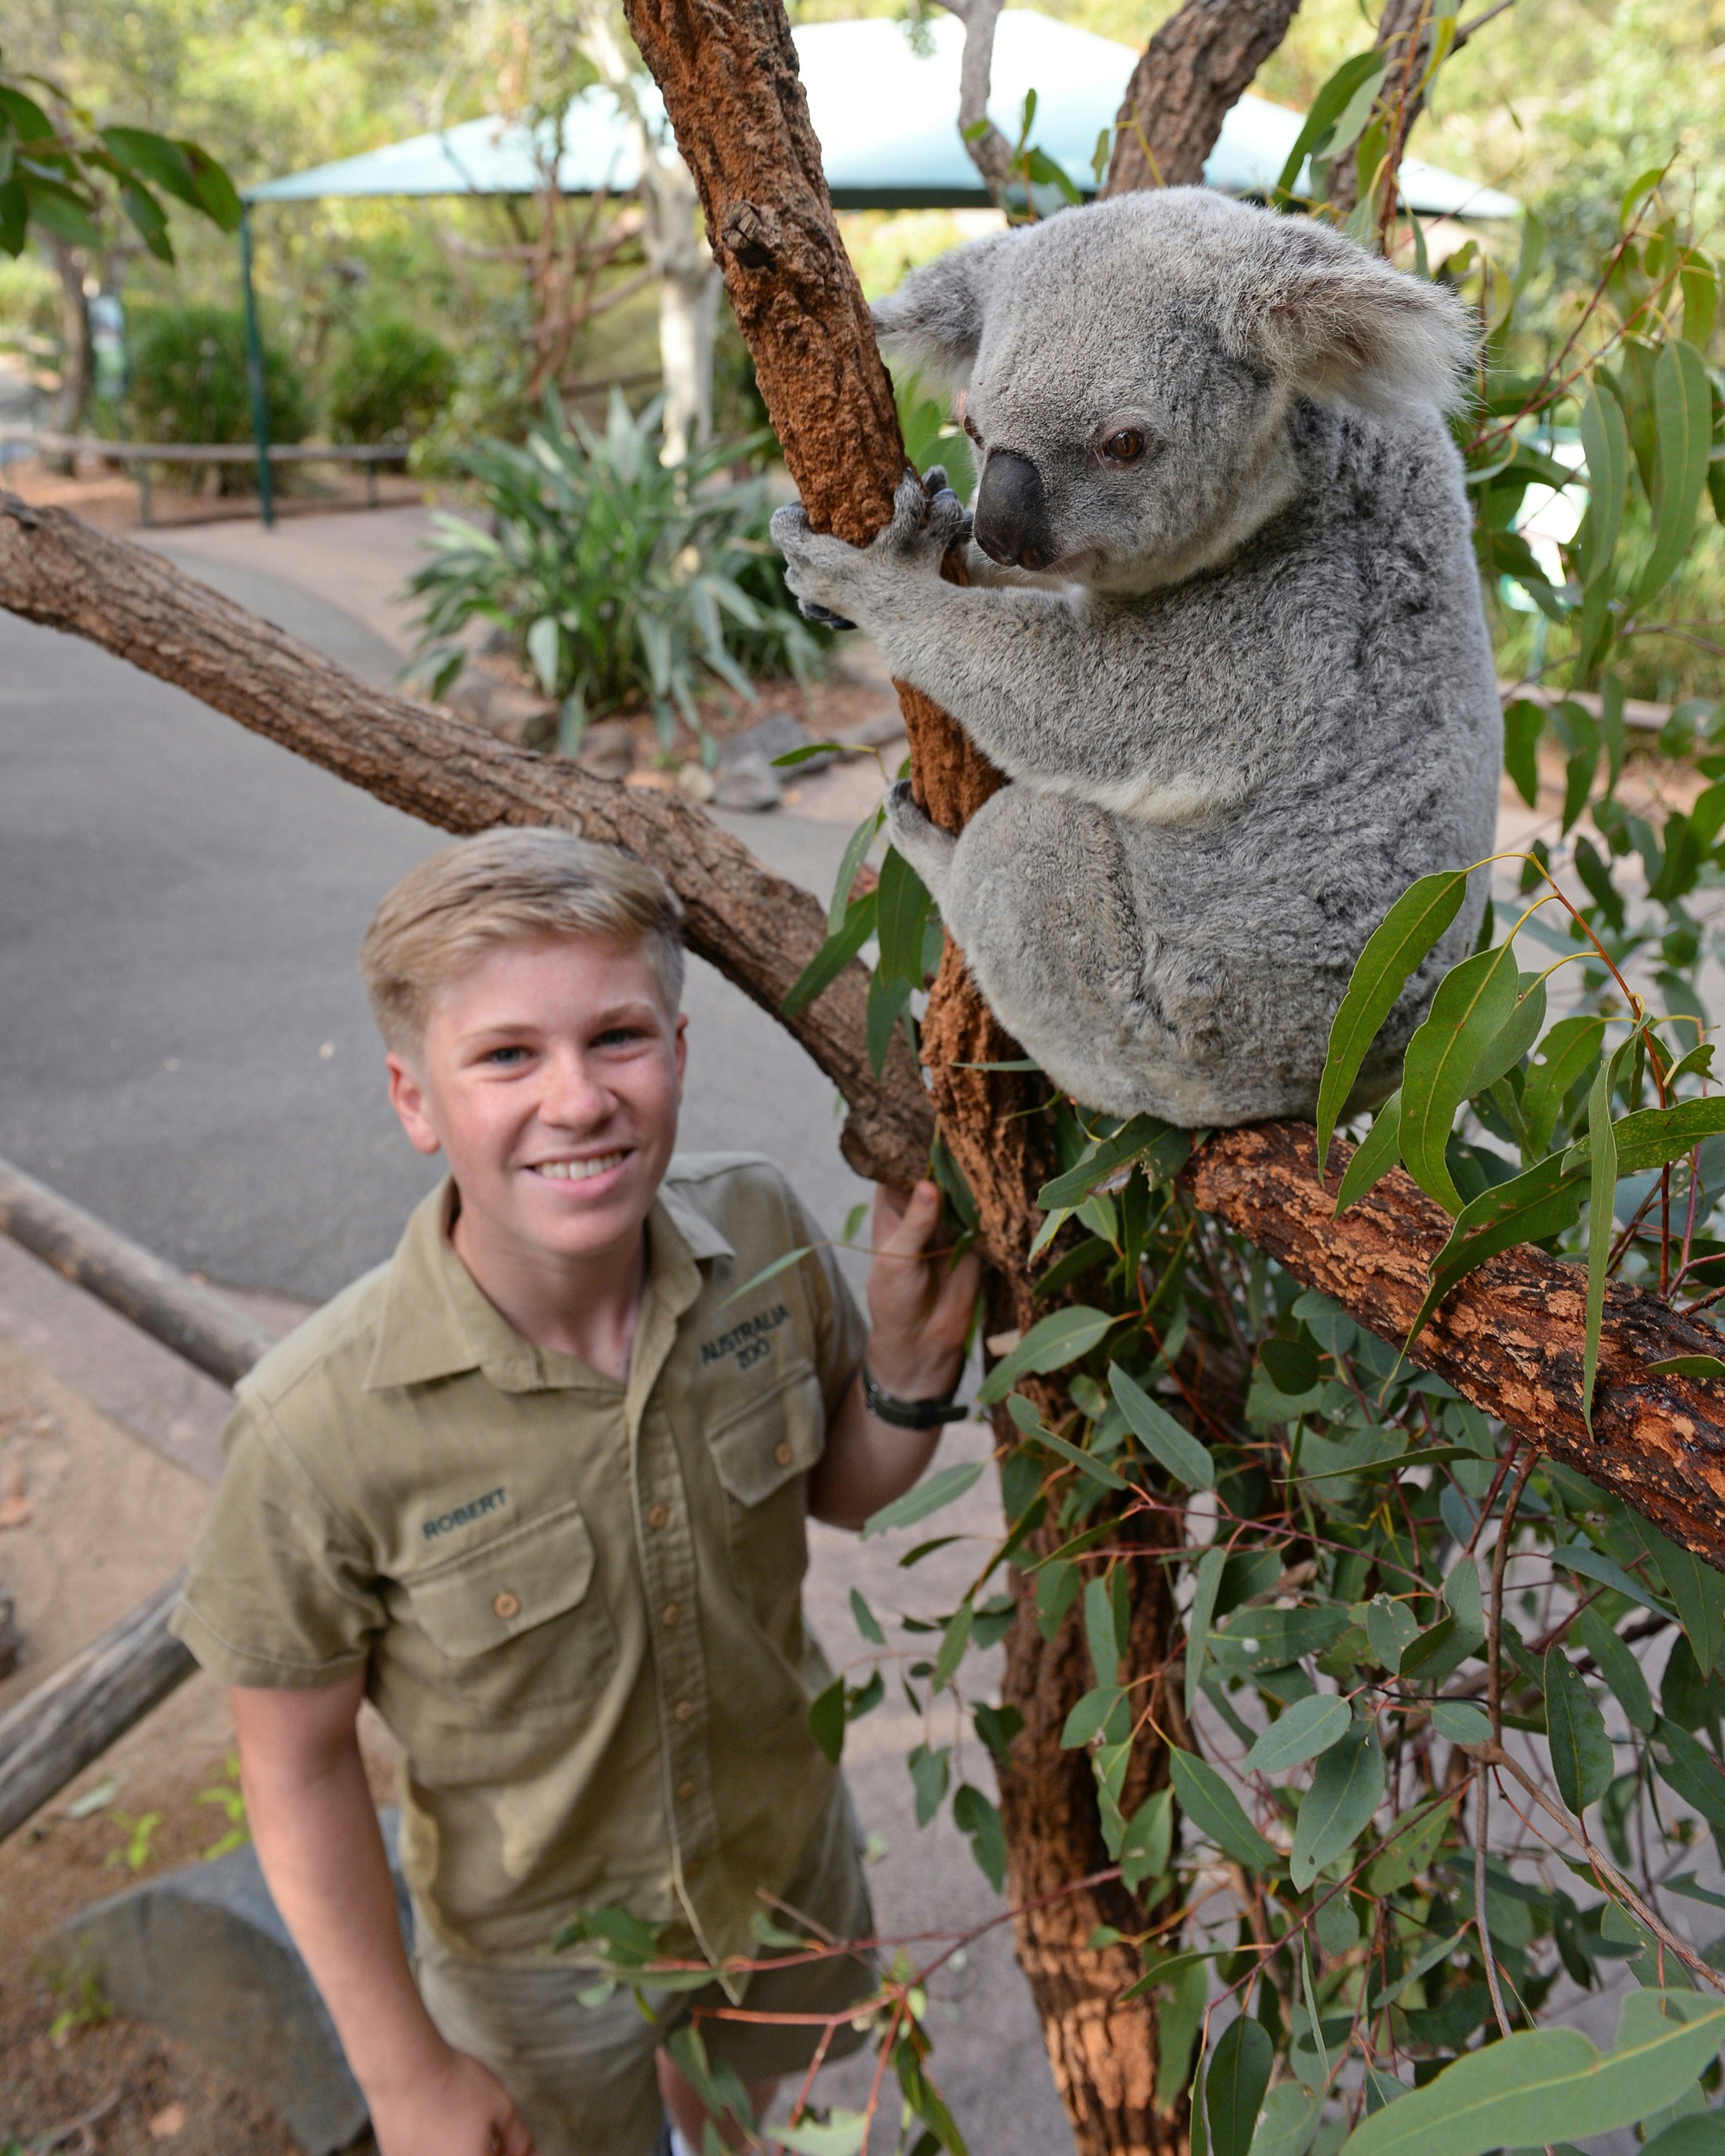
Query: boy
[[537, 1488]]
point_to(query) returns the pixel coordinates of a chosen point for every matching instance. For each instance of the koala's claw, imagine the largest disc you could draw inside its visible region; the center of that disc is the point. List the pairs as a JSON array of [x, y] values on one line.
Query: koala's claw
[[924, 844], [928, 519]]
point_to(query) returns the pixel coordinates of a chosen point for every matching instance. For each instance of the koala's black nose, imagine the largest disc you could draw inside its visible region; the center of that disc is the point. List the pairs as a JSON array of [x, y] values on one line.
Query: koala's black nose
[[1012, 512]]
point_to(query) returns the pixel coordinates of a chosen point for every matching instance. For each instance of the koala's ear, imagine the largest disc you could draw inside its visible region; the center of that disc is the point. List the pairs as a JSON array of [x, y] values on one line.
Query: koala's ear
[[1325, 314], [935, 318]]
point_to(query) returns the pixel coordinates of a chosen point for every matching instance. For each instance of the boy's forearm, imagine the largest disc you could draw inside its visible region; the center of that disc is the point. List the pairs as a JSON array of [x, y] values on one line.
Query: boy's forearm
[[867, 1463], [318, 1841]]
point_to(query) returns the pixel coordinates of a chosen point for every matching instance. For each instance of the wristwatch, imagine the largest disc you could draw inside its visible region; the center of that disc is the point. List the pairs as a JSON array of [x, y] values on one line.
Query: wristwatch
[[909, 1414]]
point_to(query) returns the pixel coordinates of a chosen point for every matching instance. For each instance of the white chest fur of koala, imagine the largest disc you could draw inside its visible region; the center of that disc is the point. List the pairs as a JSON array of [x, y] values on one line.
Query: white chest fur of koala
[[1223, 635]]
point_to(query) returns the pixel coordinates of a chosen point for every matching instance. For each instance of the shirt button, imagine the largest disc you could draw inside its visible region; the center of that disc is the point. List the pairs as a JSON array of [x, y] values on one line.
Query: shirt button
[[670, 1613], [783, 1454], [657, 1515], [683, 1710], [507, 1604], [685, 1789]]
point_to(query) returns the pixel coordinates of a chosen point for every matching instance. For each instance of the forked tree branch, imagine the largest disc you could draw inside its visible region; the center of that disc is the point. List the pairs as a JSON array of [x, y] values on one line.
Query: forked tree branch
[[1191, 76], [987, 148]]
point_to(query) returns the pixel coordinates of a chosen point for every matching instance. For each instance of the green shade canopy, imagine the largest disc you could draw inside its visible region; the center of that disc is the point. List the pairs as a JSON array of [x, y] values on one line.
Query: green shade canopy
[[883, 109]]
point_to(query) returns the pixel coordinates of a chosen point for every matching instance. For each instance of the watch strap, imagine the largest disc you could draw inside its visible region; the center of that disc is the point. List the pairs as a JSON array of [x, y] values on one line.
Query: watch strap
[[909, 1414]]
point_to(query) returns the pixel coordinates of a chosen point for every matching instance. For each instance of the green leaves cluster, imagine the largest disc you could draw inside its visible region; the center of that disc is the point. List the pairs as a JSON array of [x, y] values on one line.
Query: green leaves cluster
[[58, 177], [620, 579]]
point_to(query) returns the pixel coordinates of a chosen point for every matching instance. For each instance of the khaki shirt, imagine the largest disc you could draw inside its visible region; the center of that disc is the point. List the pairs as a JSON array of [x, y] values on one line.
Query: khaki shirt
[[578, 1602]]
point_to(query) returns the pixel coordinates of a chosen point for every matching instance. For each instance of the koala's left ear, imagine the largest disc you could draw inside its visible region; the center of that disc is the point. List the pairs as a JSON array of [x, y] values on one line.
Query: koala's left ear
[[935, 318], [1324, 314]]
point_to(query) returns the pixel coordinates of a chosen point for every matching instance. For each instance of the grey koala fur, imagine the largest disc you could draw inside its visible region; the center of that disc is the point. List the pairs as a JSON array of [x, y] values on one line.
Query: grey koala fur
[[1247, 696]]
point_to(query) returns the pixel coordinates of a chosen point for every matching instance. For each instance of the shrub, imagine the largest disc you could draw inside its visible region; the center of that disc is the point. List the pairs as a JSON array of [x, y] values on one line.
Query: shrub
[[188, 384], [389, 382], [621, 580]]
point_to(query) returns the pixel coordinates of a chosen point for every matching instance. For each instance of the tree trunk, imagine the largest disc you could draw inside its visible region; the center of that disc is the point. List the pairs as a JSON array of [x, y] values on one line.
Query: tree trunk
[[1403, 37], [1188, 79], [71, 403], [729, 76]]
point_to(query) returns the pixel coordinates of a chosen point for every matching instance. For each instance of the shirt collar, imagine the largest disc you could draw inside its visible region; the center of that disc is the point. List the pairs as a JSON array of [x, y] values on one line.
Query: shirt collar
[[437, 1322]]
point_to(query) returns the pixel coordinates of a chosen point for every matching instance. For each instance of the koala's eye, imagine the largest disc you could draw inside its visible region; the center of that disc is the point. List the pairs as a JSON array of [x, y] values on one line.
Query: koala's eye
[[970, 430], [1125, 446]]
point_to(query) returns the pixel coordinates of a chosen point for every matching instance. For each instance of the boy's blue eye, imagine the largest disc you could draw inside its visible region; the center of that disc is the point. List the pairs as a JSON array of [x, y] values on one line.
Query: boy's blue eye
[[618, 1036], [506, 1055]]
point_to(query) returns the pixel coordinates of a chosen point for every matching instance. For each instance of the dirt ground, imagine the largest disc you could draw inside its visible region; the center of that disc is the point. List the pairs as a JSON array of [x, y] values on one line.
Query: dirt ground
[[91, 1522]]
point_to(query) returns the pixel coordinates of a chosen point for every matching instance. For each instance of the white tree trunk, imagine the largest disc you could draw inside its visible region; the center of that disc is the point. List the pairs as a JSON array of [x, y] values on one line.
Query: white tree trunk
[[688, 322], [675, 248]]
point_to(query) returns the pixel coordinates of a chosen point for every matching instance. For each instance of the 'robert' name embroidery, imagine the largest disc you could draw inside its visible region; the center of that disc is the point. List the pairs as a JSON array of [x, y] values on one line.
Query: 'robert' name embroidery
[[747, 1342], [476, 1509]]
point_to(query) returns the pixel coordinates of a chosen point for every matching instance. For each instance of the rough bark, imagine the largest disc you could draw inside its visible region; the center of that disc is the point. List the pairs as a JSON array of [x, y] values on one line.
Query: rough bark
[[54, 1732], [200, 1326], [1510, 1338], [1190, 76], [757, 929]]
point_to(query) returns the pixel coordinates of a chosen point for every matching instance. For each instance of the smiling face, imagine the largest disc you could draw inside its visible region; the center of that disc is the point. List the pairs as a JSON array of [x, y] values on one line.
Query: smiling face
[[550, 1075]]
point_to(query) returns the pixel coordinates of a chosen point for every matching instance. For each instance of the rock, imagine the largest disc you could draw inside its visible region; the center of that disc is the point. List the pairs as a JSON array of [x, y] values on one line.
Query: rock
[[608, 749], [747, 781], [202, 1953], [480, 694], [879, 731], [696, 783], [11, 1639], [775, 734]]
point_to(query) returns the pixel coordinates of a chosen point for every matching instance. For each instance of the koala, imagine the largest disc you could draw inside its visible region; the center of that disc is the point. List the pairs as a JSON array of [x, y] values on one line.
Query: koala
[[1223, 633]]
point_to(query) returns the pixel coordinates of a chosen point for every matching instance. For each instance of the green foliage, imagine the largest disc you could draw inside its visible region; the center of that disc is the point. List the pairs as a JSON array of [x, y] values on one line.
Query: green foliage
[[389, 382], [188, 383], [61, 175], [620, 579]]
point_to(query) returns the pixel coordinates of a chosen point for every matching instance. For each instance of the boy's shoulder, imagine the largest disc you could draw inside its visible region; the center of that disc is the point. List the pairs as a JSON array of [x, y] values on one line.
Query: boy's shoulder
[[337, 1340], [743, 1198]]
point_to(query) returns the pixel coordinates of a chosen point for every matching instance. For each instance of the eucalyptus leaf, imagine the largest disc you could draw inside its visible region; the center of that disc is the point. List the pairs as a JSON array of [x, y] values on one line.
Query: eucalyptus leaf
[[1213, 1809], [1337, 1809], [1580, 1750], [1407, 934], [1544, 2086], [1177, 1449], [1234, 2083], [1309, 1727], [1473, 1001]]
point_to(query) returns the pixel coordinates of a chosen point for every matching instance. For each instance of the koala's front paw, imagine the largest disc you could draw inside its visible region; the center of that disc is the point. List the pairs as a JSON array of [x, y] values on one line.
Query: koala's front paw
[[819, 569], [927, 847], [928, 521]]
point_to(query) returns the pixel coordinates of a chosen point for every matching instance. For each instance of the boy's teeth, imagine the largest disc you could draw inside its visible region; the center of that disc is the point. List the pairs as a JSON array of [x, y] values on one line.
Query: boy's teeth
[[578, 1171]]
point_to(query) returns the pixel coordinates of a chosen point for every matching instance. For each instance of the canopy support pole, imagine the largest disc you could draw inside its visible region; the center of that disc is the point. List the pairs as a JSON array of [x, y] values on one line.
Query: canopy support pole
[[254, 373]]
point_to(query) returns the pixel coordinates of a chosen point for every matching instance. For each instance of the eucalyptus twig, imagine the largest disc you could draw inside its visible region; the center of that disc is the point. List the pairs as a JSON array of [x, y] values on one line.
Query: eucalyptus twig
[[1613, 1881], [1500, 1559], [1481, 1817]]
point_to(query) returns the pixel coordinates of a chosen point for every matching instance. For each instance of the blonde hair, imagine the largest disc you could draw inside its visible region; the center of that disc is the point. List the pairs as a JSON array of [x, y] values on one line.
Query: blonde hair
[[511, 886]]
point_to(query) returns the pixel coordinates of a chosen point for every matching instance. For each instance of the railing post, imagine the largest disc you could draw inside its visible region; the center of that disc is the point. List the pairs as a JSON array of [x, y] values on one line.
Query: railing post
[[254, 371]]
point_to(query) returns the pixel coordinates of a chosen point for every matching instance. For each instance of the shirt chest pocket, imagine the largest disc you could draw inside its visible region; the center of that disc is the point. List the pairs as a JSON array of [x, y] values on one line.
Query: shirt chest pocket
[[518, 1621], [763, 1448]]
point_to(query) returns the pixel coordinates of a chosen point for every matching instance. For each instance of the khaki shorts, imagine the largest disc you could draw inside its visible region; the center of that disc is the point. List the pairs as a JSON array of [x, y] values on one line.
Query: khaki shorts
[[584, 2077]]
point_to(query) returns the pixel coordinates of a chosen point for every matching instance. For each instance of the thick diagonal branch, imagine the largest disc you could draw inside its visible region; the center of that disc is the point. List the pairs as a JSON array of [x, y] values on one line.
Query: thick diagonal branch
[[754, 927], [1191, 76]]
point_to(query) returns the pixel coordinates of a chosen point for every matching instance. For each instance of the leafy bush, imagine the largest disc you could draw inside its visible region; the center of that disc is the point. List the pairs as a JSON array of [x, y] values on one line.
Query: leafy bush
[[188, 384], [622, 581], [389, 382]]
